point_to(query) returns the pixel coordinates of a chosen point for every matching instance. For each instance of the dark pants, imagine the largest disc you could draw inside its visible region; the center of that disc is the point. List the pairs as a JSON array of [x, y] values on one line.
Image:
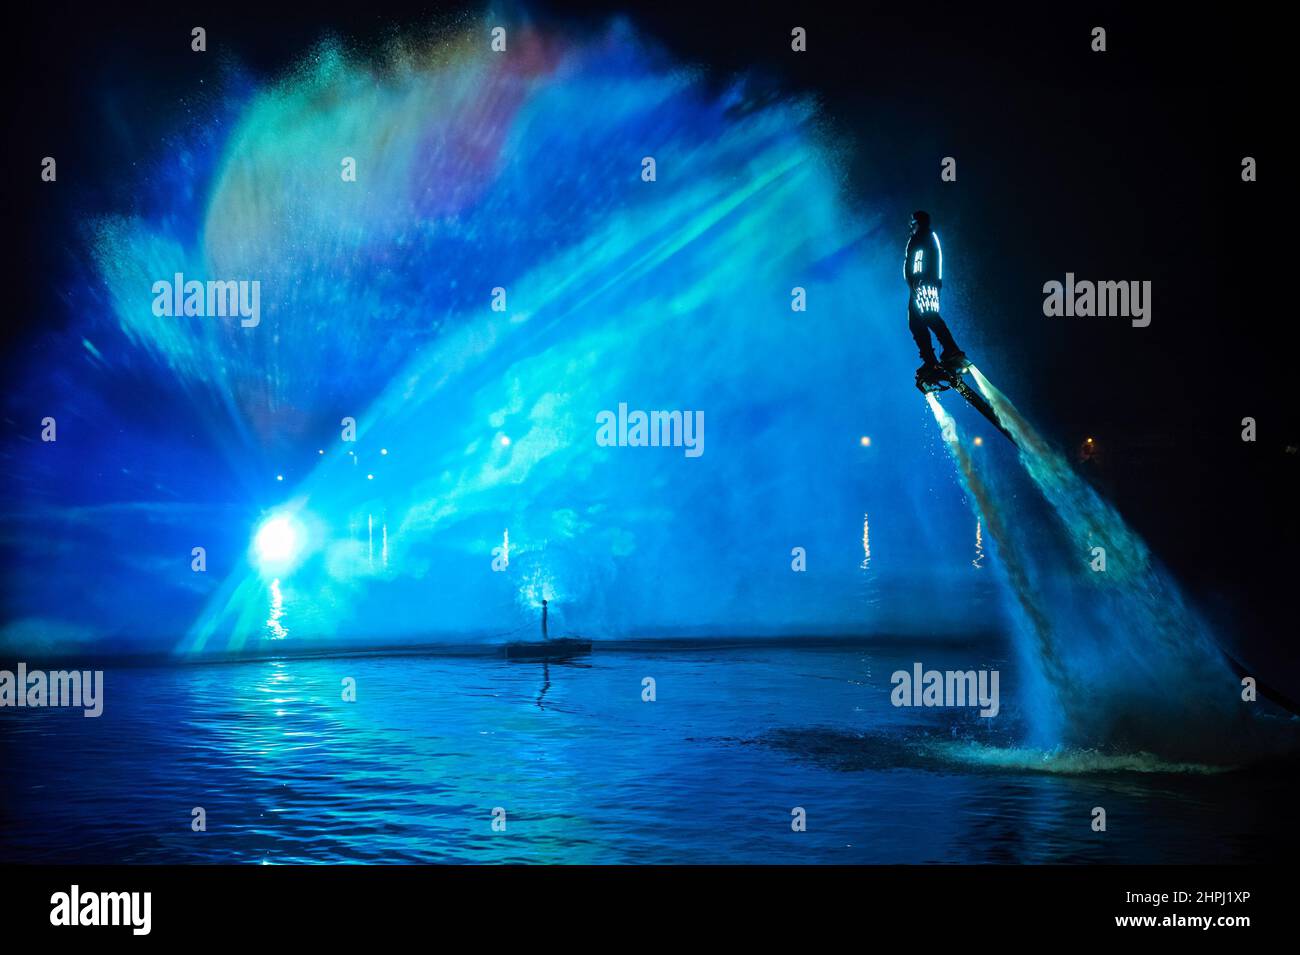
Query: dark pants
[[920, 325]]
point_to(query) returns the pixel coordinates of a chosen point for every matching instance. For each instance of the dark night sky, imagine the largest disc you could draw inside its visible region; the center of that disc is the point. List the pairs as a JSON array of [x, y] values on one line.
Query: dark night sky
[[1123, 165]]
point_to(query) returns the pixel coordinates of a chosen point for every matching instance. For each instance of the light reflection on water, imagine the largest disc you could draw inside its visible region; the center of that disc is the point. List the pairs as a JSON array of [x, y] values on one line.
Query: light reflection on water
[[587, 772], [276, 630]]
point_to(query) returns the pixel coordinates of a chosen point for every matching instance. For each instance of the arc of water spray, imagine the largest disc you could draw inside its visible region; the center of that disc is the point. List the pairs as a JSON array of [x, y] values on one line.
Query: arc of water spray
[[1009, 555]]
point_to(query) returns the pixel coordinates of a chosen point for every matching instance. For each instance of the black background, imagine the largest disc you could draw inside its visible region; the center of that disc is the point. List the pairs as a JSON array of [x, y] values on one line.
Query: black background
[[583, 907]]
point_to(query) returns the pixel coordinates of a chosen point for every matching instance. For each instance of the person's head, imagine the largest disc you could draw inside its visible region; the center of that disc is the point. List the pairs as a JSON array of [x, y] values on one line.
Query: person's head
[[543, 602], [920, 223]]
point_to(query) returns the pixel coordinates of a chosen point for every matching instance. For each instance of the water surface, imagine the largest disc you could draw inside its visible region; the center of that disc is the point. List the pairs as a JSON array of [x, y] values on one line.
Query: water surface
[[588, 772]]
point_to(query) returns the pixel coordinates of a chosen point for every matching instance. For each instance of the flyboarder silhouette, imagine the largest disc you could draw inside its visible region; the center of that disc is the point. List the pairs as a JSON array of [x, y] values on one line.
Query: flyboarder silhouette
[[923, 272]]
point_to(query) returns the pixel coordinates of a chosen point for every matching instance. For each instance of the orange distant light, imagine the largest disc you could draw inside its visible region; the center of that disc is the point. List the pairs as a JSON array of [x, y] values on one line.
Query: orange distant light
[[978, 441]]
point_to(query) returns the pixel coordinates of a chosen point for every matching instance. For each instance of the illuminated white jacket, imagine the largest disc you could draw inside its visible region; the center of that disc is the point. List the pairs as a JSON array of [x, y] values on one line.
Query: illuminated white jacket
[[923, 271]]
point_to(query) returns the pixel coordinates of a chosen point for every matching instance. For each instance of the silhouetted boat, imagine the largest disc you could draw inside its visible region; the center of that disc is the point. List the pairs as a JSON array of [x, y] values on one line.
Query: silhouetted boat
[[557, 649]]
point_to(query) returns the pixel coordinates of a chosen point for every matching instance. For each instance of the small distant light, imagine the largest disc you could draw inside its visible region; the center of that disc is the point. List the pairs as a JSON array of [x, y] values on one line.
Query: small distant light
[[321, 451], [383, 450], [1089, 441], [865, 441], [370, 477], [978, 441], [279, 477], [505, 441]]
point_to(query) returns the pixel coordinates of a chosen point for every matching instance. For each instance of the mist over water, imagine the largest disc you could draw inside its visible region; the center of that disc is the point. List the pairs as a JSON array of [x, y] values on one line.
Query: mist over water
[[477, 172]]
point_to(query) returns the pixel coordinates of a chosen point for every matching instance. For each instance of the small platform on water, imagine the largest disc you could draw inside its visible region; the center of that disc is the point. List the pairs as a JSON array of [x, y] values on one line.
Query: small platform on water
[[558, 649]]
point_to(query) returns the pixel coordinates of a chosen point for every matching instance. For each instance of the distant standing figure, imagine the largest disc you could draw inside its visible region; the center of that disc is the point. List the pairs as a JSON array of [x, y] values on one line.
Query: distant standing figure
[[544, 634]]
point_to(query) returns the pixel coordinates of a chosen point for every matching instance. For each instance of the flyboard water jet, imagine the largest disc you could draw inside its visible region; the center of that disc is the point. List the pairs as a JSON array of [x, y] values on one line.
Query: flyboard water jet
[[944, 376], [1072, 498]]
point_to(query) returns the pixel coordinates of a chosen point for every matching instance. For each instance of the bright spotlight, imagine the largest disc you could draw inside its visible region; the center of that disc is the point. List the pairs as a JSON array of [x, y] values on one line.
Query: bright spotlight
[[277, 540]]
